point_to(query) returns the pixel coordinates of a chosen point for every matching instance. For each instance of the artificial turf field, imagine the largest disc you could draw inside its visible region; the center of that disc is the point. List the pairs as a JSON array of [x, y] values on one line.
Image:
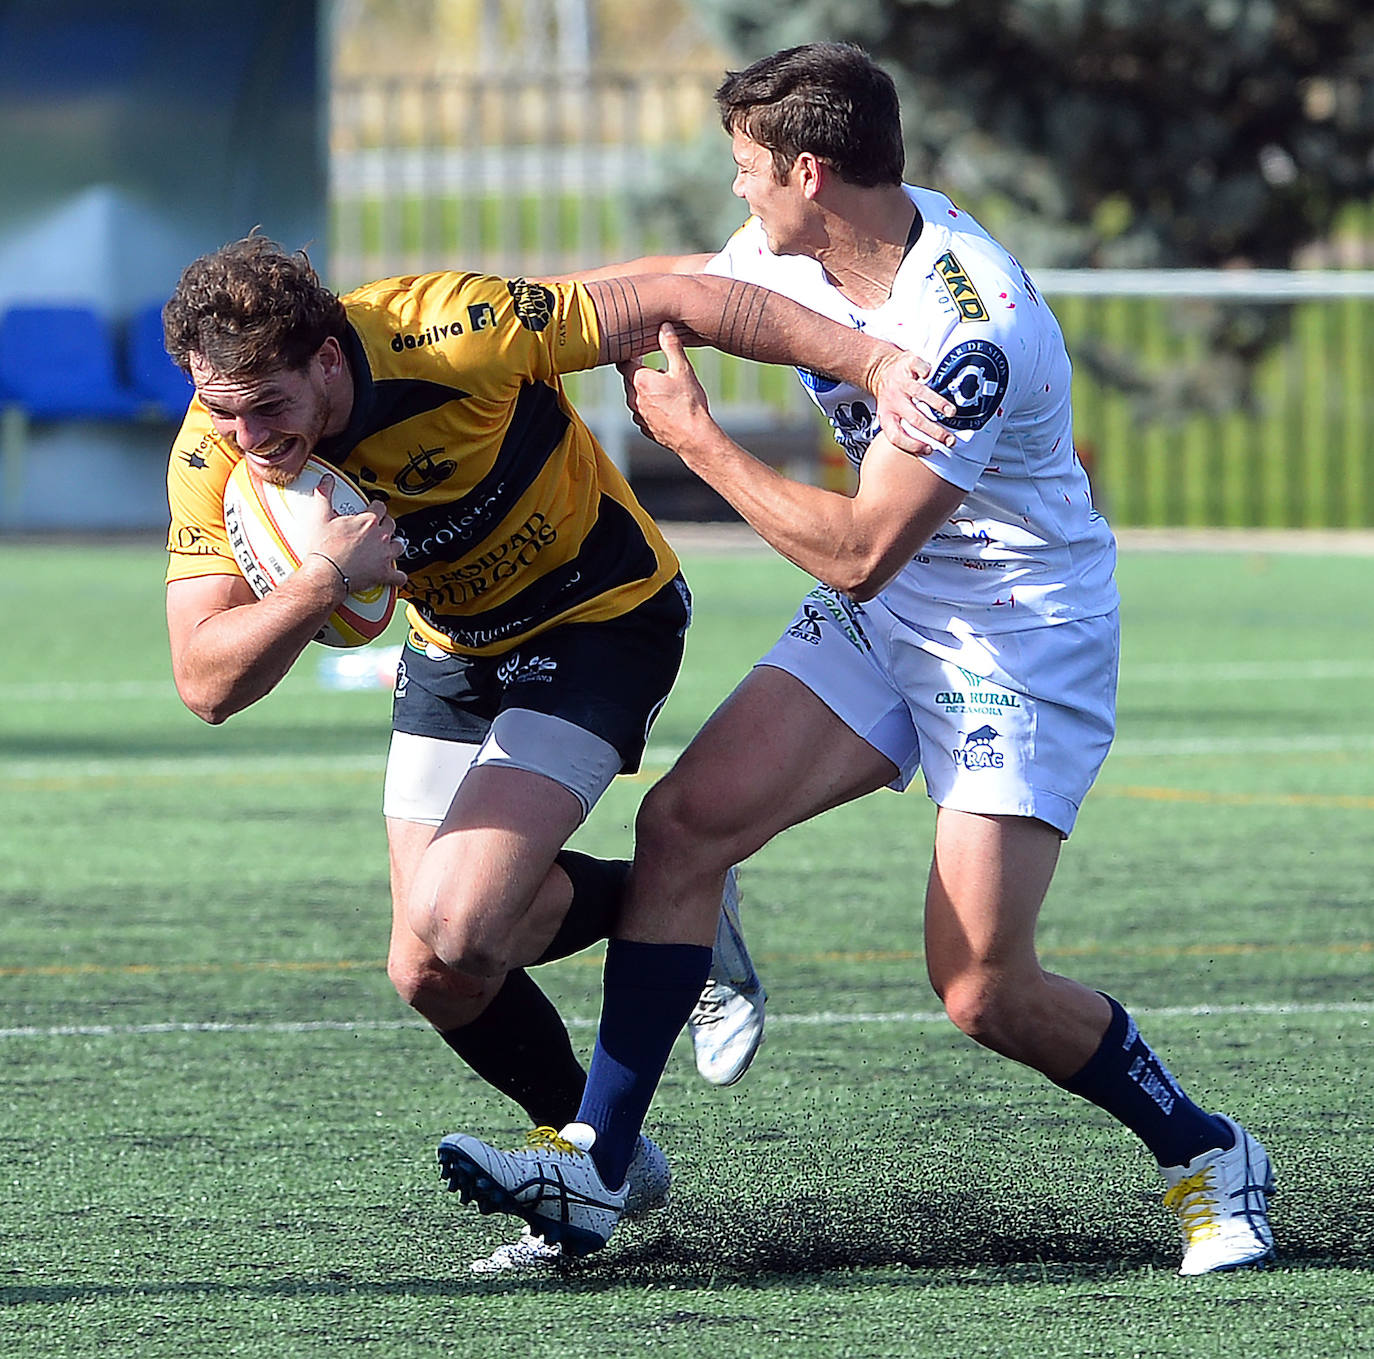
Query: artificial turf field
[[217, 1122]]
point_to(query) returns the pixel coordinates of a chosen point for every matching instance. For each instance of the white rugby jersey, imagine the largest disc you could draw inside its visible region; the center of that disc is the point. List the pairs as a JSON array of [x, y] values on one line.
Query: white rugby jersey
[[1025, 547]]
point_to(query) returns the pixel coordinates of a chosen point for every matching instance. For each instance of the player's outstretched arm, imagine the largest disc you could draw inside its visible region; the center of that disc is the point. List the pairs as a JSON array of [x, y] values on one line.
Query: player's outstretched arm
[[646, 264], [756, 323], [854, 543]]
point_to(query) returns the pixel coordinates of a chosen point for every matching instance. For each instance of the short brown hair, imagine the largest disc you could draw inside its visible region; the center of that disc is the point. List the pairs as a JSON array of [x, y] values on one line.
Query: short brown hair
[[250, 307], [828, 98]]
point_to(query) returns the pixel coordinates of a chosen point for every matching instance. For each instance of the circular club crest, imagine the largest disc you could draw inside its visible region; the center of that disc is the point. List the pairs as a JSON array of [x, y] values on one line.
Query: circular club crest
[[974, 376]]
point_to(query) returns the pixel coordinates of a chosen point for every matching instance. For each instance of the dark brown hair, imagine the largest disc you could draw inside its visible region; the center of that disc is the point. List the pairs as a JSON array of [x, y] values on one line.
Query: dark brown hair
[[250, 307], [828, 98]]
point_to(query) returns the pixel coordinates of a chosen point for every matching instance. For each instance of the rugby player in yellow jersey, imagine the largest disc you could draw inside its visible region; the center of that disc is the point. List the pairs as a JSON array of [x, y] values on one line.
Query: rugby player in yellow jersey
[[546, 610]]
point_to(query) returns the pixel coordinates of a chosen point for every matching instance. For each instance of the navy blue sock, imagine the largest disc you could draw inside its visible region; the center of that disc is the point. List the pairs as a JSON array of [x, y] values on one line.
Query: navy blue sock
[[648, 993], [1127, 1079]]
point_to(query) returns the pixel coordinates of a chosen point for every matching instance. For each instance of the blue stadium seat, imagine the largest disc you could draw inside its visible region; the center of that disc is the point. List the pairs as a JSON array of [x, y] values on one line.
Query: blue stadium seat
[[58, 362], [151, 371]]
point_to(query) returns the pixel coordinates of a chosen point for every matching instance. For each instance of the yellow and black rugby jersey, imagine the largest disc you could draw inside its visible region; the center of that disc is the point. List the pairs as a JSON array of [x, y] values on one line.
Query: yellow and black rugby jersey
[[514, 518]]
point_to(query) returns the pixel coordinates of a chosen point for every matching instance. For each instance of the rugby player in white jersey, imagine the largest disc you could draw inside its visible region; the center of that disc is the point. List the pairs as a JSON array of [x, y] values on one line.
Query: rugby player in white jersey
[[965, 624]]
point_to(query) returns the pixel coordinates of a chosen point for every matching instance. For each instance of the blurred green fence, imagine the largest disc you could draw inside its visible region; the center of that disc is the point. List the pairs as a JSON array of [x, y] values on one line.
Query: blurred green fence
[[1231, 399], [1179, 427]]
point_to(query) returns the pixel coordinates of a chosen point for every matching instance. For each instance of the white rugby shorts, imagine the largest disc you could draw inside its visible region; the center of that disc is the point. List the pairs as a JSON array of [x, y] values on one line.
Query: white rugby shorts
[[1013, 724]]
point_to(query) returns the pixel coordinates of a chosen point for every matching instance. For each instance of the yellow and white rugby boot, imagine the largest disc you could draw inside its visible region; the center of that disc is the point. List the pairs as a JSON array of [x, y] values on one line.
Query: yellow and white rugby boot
[[1221, 1199]]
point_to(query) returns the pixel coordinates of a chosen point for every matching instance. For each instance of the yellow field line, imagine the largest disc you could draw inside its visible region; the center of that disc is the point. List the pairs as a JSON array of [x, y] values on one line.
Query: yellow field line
[[1343, 948], [183, 969], [1347, 801]]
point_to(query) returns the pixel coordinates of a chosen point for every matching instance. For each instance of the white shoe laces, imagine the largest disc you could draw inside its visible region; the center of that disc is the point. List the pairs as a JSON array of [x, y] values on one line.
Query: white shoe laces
[[710, 1005]]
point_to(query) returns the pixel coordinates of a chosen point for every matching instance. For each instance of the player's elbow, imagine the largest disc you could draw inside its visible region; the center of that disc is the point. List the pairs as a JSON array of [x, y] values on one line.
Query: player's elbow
[[863, 587], [860, 594], [862, 572], [207, 702], [211, 713]]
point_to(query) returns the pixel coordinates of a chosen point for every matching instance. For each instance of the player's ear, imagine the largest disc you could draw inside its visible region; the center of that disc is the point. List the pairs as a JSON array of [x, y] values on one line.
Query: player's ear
[[809, 173], [330, 357]]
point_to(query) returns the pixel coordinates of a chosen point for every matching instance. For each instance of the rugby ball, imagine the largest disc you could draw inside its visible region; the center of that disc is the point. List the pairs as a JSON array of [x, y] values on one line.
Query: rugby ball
[[268, 527]]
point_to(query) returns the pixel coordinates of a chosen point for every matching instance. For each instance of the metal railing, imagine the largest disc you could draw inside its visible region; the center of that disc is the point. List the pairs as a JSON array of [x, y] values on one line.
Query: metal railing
[[508, 173], [1236, 398]]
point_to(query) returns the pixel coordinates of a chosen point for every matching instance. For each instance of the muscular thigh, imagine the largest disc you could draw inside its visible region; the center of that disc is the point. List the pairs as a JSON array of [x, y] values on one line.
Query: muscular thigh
[[771, 756], [988, 879]]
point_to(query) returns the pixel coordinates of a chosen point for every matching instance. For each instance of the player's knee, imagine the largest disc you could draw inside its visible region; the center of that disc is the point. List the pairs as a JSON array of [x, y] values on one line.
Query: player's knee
[[435, 991], [978, 1006], [459, 942], [677, 820], [475, 953], [419, 980]]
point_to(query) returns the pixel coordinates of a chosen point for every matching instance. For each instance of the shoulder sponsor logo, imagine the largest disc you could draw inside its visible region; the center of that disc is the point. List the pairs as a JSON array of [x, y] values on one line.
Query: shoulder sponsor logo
[[533, 303], [974, 376], [960, 287], [196, 458], [192, 540], [481, 316], [440, 330]]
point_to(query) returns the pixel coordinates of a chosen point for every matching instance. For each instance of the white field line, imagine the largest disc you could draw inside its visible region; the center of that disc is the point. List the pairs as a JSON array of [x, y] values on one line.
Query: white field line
[[784, 1020], [660, 757], [1177, 672], [656, 758], [229, 764]]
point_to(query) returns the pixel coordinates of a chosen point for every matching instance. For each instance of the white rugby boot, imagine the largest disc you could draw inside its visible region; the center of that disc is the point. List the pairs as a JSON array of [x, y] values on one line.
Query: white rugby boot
[[726, 1023], [1221, 1199], [552, 1183], [530, 1254], [647, 1184]]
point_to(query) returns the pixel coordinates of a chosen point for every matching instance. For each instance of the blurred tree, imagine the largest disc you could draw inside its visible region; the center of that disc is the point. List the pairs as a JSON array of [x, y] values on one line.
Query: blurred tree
[[1163, 133], [1127, 134]]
